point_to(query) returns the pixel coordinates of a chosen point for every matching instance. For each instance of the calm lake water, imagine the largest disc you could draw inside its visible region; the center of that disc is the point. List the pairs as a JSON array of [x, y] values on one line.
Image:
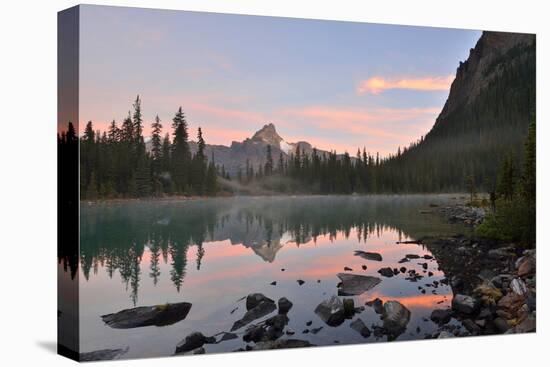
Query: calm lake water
[[213, 252]]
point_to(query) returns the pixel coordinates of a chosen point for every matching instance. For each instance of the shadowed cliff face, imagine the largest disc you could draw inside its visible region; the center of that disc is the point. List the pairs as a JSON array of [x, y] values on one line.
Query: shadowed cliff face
[[485, 118], [484, 65]]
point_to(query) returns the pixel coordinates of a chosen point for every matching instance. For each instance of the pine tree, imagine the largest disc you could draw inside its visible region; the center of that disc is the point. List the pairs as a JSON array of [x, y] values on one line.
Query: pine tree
[[156, 145], [137, 119], [113, 132], [166, 147], [507, 178], [180, 152], [529, 179], [199, 165]]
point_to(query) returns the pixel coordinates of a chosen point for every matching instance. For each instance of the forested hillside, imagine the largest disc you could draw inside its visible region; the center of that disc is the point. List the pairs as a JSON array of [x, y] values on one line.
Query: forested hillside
[[485, 119]]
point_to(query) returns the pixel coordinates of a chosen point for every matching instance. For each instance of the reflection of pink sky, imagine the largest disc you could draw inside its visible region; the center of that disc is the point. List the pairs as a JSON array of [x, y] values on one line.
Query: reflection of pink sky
[[227, 266], [412, 302]]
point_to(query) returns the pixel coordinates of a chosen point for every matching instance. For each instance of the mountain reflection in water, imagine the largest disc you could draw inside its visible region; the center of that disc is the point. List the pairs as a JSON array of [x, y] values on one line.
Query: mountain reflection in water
[[212, 252]]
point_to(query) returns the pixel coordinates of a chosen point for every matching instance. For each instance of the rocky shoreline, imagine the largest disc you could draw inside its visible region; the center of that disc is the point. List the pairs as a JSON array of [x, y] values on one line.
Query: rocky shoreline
[[494, 283]]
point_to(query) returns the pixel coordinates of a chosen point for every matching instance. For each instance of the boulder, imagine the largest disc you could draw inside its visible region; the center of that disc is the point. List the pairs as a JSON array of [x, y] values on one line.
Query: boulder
[[510, 303], [359, 326], [331, 311], [518, 287], [501, 324], [445, 335], [465, 304], [441, 316], [159, 315], [193, 341], [284, 305], [278, 322], [488, 294], [498, 253], [255, 333], [262, 309], [254, 299], [395, 317], [527, 266], [471, 326], [377, 304], [354, 285], [349, 307], [374, 256], [528, 325], [386, 272]]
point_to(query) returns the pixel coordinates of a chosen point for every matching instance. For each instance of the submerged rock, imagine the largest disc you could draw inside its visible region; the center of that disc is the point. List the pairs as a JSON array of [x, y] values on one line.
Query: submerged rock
[[159, 315], [102, 355], [359, 326], [354, 285], [395, 317], [441, 316], [227, 336], [254, 299], [193, 341], [331, 311], [316, 330], [262, 309], [369, 255], [283, 343], [284, 305], [386, 272]]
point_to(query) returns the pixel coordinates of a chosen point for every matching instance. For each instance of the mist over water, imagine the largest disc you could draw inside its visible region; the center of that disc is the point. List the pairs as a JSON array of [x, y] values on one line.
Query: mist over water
[[212, 252]]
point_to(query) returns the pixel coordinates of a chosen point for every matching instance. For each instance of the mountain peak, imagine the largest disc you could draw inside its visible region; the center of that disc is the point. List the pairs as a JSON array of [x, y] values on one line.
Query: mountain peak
[[268, 134]]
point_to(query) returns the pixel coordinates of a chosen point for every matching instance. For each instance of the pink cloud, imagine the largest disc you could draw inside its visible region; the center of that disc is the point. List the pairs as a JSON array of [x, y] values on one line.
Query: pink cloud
[[377, 84], [360, 120]]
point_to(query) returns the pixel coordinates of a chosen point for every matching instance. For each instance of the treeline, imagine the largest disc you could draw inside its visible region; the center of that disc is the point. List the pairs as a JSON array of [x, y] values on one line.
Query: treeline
[[513, 199], [116, 163], [462, 150], [317, 173]]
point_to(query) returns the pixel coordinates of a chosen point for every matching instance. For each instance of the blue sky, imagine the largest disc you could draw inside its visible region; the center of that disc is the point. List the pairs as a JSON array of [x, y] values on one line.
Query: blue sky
[[338, 85]]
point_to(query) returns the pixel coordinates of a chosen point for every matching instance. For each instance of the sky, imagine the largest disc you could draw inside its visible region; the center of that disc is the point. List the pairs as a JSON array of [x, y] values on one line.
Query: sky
[[338, 85]]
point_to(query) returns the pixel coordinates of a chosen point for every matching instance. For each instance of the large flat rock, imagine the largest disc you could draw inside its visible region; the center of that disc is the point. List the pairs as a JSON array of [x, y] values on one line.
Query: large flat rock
[[159, 315], [354, 285]]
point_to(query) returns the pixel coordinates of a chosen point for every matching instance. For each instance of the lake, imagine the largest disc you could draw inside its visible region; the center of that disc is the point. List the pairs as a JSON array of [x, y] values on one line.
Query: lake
[[213, 252]]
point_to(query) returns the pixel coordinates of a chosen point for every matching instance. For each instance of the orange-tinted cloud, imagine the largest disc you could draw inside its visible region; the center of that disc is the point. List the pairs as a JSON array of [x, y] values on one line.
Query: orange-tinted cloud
[[377, 84]]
